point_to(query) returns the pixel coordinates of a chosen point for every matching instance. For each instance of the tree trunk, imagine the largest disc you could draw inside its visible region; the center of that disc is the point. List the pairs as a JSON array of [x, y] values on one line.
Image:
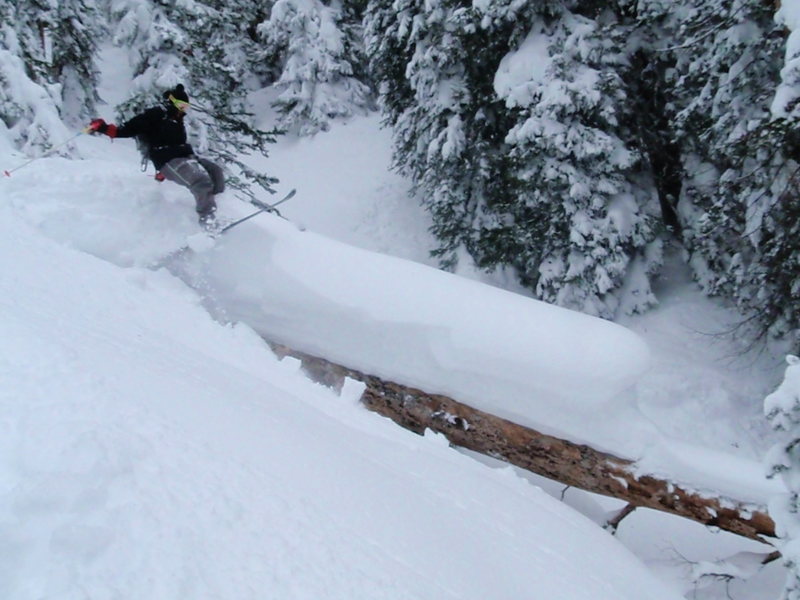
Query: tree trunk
[[573, 464]]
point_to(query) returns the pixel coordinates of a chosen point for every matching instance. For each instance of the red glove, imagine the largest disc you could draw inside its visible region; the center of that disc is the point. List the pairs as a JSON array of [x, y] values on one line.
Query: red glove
[[100, 126]]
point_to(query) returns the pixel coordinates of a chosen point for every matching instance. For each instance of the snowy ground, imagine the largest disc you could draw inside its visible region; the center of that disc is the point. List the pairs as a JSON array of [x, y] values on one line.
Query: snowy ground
[[148, 451]]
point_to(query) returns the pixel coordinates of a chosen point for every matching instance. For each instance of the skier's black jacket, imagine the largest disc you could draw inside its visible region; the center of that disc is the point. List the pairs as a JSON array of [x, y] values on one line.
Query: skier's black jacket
[[161, 132]]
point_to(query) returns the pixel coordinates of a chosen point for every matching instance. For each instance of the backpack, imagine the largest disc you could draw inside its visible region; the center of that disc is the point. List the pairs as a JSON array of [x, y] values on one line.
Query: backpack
[[143, 146]]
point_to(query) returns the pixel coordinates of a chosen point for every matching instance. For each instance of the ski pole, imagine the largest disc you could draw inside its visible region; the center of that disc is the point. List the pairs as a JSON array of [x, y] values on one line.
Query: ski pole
[[53, 149]]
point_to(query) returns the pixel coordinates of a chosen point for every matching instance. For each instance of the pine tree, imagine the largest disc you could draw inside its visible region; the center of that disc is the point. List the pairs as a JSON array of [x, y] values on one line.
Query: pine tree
[[389, 50], [58, 40], [787, 96], [75, 33], [349, 21], [584, 201], [433, 66], [430, 131], [535, 174], [738, 200], [29, 102], [233, 45], [782, 409], [649, 98], [224, 63], [317, 83], [33, 22]]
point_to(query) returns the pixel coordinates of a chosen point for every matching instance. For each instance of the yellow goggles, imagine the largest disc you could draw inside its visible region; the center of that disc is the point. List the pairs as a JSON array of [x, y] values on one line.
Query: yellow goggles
[[181, 105]]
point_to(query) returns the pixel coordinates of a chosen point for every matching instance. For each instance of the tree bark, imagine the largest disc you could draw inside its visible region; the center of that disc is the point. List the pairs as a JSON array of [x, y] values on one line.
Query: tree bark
[[573, 464]]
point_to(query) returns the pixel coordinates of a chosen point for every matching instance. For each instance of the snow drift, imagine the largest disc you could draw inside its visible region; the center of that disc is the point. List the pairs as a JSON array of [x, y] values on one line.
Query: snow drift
[[417, 325]]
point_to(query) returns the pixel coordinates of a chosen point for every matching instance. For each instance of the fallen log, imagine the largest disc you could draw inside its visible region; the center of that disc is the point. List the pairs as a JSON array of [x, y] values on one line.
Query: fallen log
[[576, 465]]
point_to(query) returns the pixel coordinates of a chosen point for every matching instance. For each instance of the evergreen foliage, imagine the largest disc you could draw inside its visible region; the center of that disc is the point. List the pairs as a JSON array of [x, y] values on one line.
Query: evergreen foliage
[[157, 41], [583, 203], [739, 190], [431, 61], [782, 409], [31, 64], [388, 53], [74, 32], [533, 174], [318, 80], [58, 45], [222, 65]]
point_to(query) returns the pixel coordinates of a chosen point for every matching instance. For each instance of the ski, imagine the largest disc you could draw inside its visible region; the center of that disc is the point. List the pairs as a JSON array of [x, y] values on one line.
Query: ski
[[262, 207], [272, 207]]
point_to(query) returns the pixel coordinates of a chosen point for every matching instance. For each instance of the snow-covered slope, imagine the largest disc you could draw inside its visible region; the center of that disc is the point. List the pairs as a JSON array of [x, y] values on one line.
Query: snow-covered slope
[[148, 451], [556, 370]]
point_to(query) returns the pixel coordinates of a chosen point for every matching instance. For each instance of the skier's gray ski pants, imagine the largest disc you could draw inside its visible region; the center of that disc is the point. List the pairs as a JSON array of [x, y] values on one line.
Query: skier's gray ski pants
[[203, 178]]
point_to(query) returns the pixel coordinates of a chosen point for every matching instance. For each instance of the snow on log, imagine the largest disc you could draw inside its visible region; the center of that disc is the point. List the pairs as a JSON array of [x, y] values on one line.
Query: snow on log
[[423, 327]]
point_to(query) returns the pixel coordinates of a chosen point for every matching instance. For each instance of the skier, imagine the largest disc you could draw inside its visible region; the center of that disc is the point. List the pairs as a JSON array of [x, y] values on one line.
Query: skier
[[162, 133]]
